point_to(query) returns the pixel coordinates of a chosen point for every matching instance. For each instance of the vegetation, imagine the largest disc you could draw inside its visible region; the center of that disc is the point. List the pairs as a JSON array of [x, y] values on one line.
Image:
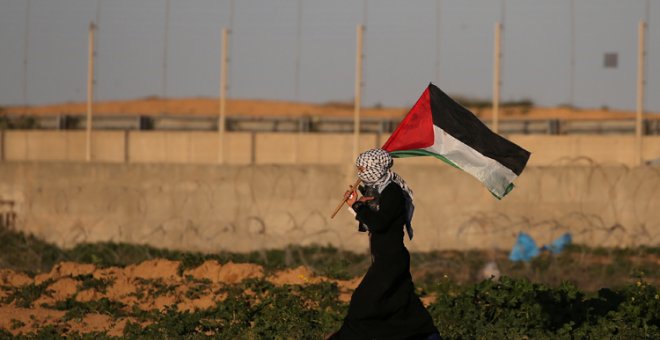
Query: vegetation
[[24, 296], [485, 103], [517, 308], [587, 268], [580, 293], [89, 282], [19, 122], [504, 309]]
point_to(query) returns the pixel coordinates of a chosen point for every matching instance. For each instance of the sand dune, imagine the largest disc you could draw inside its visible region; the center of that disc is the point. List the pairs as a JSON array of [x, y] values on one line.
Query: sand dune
[[271, 108]]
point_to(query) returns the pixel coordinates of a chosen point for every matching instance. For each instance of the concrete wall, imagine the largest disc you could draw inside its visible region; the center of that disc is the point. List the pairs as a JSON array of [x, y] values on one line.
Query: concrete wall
[[243, 208], [587, 149], [107, 146], [288, 148], [188, 147]]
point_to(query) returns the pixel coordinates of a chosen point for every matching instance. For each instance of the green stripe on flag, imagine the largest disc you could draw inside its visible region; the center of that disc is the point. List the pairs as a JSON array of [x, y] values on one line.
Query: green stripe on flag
[[420, 152], [506, 191]]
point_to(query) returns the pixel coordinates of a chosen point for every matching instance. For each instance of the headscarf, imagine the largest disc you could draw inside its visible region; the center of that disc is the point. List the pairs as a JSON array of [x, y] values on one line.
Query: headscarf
[[377, 173]]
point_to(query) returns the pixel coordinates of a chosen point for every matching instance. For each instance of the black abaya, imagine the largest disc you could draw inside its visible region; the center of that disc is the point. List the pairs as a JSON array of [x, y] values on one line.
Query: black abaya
[[384, 305]]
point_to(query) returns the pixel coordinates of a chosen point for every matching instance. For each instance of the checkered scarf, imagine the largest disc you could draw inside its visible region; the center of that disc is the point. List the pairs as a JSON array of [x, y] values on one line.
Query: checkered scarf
[[377, 174]]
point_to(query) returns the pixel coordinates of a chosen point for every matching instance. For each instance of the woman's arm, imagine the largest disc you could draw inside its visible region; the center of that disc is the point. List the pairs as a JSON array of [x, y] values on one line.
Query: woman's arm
[[391, 206]]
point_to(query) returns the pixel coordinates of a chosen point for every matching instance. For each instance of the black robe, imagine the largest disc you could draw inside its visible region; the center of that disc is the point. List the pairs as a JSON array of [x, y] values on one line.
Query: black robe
[[384, 305]]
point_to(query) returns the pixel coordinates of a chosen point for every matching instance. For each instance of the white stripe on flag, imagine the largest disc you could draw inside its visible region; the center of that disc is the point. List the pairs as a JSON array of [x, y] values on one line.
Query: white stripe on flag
[[495, 176]]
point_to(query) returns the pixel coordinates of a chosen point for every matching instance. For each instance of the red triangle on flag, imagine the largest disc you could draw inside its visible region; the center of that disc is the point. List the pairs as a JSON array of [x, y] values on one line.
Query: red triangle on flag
[[415, 130]]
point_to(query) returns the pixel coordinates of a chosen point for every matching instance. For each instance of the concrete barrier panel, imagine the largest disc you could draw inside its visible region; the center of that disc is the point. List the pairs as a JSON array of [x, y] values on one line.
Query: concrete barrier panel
[[177, 146], [146, 146], [46, 145], [238, 148], [203, 147], [651, 147], [291, 148], [336, 148], [76, 147], [245, 208], [550, 150], [327, 150], [109, 146], [50, 145], [188, 147], [276, 148], [607, 150], [22, 145], [16, 145], [586, 149], [571, 150]]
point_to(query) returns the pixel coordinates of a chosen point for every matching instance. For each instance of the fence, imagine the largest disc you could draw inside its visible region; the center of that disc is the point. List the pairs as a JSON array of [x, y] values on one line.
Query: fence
[[650, 125], [284, 50]]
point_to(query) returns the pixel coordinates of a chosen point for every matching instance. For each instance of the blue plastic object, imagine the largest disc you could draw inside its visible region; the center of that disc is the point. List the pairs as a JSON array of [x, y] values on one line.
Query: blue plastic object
[[560, 243], [525, 248]]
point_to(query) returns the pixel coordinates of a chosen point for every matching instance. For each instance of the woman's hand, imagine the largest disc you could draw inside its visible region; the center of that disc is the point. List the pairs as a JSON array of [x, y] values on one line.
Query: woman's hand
[[351, 197]]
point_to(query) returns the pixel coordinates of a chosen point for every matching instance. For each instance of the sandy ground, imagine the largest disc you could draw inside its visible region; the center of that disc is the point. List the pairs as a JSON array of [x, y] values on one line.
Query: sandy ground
[[153, 284], [265, 108]]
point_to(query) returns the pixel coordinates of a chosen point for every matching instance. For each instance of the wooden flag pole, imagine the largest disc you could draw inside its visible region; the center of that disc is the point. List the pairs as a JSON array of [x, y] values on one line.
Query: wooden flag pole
[[357, 182]]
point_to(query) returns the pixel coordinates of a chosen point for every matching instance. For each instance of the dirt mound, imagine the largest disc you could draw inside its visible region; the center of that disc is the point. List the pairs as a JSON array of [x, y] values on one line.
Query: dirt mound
[[203, 107], [296, 276], [88, 295], [9, 277], [24, 320], [270, 108], [153, 285], [123, 290], [64, 269], [201, 303], [228, 273], [60, 290], [98, 323], [155, 269], [346, 288], [428, 299]]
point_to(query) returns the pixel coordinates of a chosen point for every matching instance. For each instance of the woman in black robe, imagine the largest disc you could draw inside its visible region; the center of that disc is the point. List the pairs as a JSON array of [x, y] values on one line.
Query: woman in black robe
[[384, 305]]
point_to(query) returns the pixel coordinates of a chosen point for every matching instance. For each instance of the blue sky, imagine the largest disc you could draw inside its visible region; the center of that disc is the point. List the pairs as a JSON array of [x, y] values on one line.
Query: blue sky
[[402, 41]]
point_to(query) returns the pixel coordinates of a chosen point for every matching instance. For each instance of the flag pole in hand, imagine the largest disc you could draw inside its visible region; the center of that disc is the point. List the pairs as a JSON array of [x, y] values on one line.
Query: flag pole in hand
[[357, 182]]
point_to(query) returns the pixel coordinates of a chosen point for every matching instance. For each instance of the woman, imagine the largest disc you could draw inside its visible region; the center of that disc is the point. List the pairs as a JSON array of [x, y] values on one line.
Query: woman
[[384, 305]]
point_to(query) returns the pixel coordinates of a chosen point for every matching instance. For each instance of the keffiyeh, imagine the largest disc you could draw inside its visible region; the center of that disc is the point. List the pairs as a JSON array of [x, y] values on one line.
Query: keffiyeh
[[376, 173]]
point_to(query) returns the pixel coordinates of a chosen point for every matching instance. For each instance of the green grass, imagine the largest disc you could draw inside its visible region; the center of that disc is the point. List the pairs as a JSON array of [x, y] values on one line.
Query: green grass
[[25, 295], [581, 293], [505, 309], [588, 268]]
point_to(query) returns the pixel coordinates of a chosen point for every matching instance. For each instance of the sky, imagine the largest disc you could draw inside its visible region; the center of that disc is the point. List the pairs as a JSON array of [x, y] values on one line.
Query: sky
[[305, 50]]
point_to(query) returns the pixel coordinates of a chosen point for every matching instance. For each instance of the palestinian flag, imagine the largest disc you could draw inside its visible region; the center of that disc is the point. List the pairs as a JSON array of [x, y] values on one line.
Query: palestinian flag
[[440, 127]]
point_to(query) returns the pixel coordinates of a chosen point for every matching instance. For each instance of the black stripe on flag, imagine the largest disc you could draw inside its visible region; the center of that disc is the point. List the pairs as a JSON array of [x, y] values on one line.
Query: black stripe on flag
[[463, 125]]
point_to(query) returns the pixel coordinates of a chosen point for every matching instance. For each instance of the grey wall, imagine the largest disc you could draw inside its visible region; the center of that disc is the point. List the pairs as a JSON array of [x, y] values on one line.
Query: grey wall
[[244, 207]]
